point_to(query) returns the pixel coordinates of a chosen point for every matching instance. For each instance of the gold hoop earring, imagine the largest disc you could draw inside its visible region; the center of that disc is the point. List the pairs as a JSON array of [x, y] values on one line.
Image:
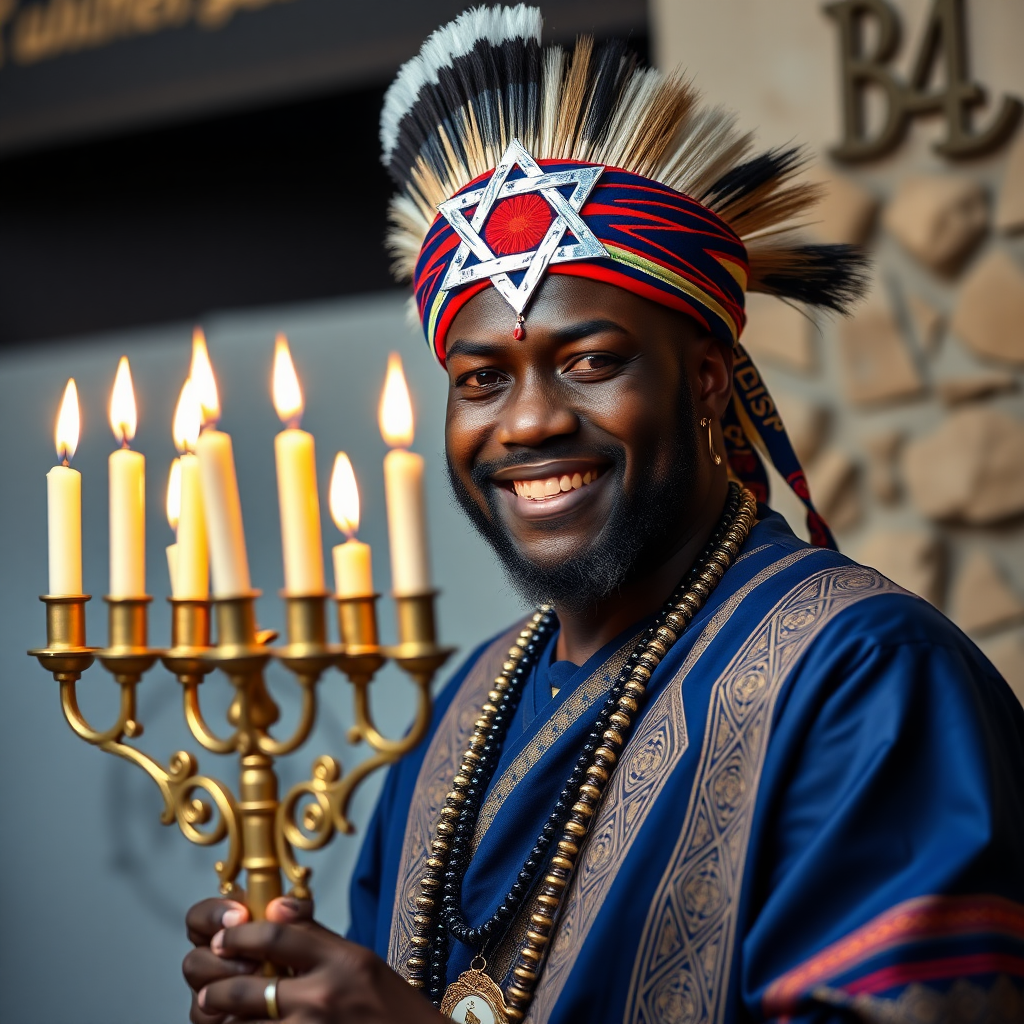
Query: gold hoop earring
[[705, 421]]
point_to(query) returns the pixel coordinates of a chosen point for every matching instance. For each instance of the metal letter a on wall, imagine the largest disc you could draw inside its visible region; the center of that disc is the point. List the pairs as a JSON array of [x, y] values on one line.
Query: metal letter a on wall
[[943, 47]]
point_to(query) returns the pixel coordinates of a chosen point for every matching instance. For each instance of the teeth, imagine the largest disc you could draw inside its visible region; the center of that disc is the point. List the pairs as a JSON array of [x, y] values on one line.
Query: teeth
[[535, 489]]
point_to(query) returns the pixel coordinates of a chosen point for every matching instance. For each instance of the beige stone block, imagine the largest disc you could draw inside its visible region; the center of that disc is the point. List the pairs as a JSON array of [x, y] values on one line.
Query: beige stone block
[[989, 314], [846, 213], [958, 390], [1010, 207], [926, 321], [971, 469], [981, 599], [914, 559], [877, 364], [1007, 654], [779, 333], [939, 220], [832, 479], [806, 424], [882, 480]]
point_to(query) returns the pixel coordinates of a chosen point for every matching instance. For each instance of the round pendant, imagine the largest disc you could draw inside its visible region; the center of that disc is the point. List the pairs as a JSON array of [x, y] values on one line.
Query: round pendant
[[473, 998]]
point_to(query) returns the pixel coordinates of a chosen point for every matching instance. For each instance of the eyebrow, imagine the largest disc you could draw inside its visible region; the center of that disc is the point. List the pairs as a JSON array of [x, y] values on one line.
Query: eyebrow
[[571, 332], [471, 348]]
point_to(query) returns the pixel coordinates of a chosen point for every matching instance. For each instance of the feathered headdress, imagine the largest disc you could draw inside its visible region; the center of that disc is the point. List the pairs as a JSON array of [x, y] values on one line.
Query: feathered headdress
[[514, 160]]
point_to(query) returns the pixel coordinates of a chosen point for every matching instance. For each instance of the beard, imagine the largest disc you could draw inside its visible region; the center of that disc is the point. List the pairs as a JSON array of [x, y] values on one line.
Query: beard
[[634, 536]]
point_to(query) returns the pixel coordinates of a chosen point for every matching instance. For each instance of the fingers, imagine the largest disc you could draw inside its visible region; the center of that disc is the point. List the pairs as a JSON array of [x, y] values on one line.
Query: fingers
[[289, 910], [202, 966], [244, 997], [208, 917], [301, 946], [197, 1016]]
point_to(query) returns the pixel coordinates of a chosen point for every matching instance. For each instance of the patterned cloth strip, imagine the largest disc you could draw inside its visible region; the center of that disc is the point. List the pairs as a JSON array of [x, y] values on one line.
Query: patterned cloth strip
[[661, 245]]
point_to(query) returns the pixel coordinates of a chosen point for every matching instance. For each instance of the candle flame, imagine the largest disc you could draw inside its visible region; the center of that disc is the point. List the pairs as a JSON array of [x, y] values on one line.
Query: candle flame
[[203, 381], [123, 415], [344, 496], [396, 423], [187, 419], [174, 494], [68, 423], [287, 392]]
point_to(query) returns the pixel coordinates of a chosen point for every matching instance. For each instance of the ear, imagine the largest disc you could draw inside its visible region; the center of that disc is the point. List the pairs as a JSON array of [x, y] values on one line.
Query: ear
[[714, 376]]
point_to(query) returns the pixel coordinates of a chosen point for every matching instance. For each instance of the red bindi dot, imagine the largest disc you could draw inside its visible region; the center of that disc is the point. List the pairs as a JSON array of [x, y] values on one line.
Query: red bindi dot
[[519, 331]]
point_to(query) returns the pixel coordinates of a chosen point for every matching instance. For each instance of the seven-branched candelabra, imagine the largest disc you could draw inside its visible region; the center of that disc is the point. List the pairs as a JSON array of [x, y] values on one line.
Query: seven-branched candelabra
[[262, 831]]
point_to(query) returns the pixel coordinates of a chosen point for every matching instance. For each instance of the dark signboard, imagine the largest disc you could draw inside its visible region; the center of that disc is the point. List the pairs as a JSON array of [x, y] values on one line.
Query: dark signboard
[[72, 68]]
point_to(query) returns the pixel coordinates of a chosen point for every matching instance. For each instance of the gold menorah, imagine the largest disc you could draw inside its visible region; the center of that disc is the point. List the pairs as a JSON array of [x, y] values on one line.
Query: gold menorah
[[262, 831]]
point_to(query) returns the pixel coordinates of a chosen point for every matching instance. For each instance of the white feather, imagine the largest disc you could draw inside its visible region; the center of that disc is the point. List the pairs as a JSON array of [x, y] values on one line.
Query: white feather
[[442, 48]]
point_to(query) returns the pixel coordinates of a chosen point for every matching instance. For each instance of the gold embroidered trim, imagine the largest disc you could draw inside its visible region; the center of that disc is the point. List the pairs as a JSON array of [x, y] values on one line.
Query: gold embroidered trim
[[681, 971], [963, 1003], [650, 758]]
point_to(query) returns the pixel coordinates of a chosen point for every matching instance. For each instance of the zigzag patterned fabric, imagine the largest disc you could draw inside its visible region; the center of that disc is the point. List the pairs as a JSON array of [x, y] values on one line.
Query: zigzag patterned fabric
[[658, 243]]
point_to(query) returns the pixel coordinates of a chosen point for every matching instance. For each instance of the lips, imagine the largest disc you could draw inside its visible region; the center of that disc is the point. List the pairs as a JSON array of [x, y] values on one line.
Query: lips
[[548, 487]]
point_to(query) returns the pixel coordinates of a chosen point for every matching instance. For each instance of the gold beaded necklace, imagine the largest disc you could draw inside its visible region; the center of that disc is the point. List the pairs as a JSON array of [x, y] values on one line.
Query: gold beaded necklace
[[474, 997]]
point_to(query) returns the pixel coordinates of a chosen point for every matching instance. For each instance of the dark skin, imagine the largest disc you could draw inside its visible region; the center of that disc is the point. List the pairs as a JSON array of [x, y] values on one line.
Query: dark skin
[[599, 366]]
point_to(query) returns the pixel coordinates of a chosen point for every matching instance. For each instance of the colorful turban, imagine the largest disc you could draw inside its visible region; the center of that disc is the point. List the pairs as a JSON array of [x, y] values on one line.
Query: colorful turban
[[525, 218], [642, 235]]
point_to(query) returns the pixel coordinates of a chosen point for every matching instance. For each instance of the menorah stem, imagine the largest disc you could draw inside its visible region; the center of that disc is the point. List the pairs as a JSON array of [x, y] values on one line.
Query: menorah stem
[[258, 809]]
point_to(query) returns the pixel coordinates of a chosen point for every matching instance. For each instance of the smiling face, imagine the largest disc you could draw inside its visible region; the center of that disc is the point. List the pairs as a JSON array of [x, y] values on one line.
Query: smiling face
[[576, 451]]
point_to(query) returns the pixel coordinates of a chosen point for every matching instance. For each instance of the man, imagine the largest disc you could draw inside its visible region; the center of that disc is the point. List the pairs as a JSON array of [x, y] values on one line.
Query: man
[[727, 776]]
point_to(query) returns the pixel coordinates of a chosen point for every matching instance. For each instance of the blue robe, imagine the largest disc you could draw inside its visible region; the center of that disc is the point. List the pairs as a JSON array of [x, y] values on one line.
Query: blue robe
[[819, 816]]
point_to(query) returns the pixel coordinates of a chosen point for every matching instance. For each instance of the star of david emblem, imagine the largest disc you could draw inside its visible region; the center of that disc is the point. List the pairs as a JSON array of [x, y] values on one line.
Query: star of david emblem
[[490, 251]]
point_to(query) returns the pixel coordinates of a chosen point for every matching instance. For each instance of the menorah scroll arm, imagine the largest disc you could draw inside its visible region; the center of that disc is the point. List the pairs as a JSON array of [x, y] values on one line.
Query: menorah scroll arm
[[180, 785], [329, 790]]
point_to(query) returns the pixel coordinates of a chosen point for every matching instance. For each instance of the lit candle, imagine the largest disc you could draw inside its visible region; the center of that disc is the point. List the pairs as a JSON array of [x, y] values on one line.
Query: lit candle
[[301, 540], [353, 572], [191, 580], [64, 503], [221, 503], [173, 515], [127, 470], [403, 483]]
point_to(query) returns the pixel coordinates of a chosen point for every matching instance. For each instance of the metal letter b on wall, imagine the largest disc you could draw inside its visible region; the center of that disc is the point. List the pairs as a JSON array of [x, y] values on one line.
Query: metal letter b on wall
[[943, 44]]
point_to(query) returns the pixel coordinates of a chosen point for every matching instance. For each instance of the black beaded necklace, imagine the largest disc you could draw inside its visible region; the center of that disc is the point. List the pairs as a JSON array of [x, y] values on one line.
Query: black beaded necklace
[[452, 847]]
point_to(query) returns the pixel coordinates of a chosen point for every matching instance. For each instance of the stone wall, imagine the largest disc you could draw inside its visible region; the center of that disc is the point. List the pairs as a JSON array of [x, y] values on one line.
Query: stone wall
[[909, 416]]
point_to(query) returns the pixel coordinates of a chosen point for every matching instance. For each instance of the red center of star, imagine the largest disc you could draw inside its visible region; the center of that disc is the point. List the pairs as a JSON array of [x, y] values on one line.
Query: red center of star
[[518, 224]]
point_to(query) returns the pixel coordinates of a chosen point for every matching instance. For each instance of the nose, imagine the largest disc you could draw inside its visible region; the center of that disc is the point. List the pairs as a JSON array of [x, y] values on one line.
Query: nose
[[535, 412]]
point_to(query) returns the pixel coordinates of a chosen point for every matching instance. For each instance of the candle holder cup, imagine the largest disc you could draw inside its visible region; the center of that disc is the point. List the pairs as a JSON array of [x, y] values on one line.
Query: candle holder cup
[[262, 832]]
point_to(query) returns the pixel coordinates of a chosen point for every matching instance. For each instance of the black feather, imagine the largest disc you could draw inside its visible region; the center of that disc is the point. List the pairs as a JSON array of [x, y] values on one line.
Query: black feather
[[830, 276], [740, 181]]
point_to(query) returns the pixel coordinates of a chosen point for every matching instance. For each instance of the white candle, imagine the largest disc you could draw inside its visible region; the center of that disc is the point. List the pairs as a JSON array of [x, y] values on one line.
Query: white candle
[[407, 533], [294, 454], [127, 473], [192, 575], [193, 563], [64, 504], [172, 567], [353, 567], [221, 503], [223, 509], [403, 483], [173, 514]]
